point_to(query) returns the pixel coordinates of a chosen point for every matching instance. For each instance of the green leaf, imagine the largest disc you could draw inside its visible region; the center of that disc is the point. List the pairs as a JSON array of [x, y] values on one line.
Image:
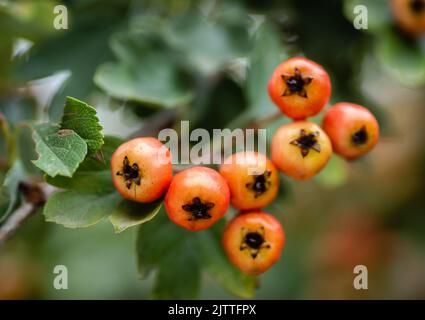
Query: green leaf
[[160, 244], [155, 240], [78, 51], [146, 73], [75, 209], [208, 44], [91, 190], [94, 182], [169, 249], [14, 176], [179, 274], [60, 151], [82, 119], [403, 58], [130, 214], [93, 175], [218, 266]]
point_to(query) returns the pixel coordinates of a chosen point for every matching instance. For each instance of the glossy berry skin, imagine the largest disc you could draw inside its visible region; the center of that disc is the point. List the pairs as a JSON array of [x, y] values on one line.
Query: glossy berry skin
[[352, 129], [141, 169], [197, 198], [252, 178], [300, 149], [254, 241], [300, 88], [410, 15]]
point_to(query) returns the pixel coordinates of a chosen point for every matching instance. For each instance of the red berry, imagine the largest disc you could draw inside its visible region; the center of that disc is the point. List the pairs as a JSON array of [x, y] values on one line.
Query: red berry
[[300, 149], [352, 129], [410, 15], [197, 198], [300, 88], [141, 169], [253, 180], [254, 241]]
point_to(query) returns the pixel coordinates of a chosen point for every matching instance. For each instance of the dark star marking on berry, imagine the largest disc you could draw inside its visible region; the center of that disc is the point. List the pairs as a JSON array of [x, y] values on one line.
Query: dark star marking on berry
[[360, 137], [417, 6], [295, 84], [130, 173], [198, 210], [306, 142], [260, 184], [254, 241]]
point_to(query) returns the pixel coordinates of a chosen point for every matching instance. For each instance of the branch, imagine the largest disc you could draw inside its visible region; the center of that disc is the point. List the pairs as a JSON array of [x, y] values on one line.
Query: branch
[[264, 122], [156, 123], [35, 197]]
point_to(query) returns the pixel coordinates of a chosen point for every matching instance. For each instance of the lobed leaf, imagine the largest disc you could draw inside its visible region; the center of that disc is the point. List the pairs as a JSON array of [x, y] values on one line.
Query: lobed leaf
[[208, 44], [145, 73], [82, 119], [130, 214], [74, 209], [60, 151]]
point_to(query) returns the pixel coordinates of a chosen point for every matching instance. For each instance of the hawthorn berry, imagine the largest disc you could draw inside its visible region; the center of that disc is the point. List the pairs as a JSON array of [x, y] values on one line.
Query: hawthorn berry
[[197, 198], [410, 15], [253, 180], [300, 149], [353, 129], [253, 241], [141, 169], [300, 88]]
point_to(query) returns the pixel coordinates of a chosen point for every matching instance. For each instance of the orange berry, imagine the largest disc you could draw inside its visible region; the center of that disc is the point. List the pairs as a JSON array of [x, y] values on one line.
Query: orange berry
[[254, 241], [352, 129], [300, 149], [141, 169], [300, 88], [197, 198], [253, 180]]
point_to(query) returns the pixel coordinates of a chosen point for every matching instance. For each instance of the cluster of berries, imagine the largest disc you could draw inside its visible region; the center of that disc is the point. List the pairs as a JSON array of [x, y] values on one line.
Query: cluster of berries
[[198, 197]]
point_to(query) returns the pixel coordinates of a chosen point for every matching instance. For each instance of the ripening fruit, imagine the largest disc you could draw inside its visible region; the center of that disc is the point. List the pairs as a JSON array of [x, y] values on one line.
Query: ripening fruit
[[253, 180], [300, 88], [300, 149], [352, 129], [253, 241], [141, 169], [410, 15], [197, 198]]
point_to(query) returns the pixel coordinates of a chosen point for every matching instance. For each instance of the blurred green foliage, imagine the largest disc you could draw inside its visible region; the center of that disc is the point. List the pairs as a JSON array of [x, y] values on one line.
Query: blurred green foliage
[[208, 61]]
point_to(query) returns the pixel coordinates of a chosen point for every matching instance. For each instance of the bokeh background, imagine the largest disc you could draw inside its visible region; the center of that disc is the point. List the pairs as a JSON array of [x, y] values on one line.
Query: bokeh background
[[146, 65]]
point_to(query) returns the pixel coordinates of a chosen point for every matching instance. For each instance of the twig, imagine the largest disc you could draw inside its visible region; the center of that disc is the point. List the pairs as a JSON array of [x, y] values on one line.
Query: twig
[[263, 122], [15, 221], [156, 123], [35, 197]]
